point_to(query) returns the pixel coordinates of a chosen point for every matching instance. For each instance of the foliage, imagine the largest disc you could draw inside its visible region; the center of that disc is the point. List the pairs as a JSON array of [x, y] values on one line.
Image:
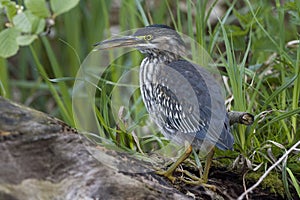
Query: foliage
[[23, 27]]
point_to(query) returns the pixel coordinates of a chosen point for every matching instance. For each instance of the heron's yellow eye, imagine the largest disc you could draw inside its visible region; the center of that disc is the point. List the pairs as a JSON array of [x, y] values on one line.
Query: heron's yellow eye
[[148, 37]]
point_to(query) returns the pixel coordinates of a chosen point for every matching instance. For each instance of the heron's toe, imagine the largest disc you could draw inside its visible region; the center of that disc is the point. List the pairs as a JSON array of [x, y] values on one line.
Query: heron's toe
[[167, 174]]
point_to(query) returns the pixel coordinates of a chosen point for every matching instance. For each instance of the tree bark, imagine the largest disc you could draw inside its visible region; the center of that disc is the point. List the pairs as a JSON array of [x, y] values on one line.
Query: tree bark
[[43, 158]]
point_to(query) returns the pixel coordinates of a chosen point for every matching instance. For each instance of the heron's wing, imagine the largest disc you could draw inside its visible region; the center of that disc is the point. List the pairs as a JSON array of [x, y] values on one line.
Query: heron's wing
[[187, 104]]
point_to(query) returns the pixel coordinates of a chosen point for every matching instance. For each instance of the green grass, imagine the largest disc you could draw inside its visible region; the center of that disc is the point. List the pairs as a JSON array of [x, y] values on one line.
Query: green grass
[[249, 40]]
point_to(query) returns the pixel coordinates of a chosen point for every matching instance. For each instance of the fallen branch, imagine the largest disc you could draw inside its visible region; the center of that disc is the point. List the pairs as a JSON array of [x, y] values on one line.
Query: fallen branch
[[240, 118]]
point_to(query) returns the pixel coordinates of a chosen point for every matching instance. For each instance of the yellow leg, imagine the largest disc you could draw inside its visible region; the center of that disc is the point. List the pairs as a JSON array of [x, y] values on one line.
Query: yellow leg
[[207, 165], [169, 172], [193, 179]]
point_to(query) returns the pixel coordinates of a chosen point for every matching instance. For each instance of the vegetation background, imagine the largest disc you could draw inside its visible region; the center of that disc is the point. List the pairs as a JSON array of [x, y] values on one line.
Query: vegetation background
[[256, 44]]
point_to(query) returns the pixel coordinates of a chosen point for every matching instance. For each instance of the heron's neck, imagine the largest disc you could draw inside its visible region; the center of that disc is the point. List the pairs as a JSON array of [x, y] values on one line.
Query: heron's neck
[[152, 67], [155, 55]]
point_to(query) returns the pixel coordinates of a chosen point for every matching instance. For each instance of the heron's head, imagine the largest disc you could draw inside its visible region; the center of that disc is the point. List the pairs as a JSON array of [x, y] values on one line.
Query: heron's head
[[154, 38]]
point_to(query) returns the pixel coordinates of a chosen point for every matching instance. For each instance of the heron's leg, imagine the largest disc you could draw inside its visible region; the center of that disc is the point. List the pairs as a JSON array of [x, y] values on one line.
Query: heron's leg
[[204, 177], [169, 172], [203, 180], [207, 165], [194, 180]]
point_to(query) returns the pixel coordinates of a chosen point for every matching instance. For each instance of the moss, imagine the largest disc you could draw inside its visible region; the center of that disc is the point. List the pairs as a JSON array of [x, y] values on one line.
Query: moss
[[272, 182]]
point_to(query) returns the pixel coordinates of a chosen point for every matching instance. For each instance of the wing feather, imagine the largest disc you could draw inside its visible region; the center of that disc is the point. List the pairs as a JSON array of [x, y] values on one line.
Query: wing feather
[[186, 99]]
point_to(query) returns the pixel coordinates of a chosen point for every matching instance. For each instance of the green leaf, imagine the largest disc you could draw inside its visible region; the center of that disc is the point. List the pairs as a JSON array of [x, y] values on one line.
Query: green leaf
[[37, 7], [234, 30], [279, 90], [39, 26], [26, 22], [11, 9], [8, 42], [282, 117], [60, 6], [263, 44], [294, 181], [22, 23], [25, 40]]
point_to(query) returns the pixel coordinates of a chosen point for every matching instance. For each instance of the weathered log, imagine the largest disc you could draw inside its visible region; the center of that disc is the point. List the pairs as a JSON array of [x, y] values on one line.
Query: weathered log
[[43, 158]]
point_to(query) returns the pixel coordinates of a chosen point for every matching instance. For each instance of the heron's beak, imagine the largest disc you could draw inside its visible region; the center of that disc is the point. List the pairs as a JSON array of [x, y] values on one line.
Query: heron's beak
[[126, 41]]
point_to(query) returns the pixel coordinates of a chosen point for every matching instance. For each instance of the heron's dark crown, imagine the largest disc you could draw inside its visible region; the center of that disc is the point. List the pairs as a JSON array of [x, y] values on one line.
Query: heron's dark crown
[[158, 30], [160, 26], [161, 41]]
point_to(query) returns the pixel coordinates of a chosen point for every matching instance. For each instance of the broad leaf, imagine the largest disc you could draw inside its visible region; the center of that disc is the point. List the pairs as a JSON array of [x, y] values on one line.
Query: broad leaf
[[11, 9], [24, 40], [60, 6], [22, 23], [8, 42], [38, 24], [26, 22], [37, 7]]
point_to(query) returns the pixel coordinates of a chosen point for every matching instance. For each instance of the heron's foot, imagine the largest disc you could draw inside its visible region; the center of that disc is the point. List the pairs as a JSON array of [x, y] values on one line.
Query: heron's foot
[[191, 179], [166, 173], [187, 178]]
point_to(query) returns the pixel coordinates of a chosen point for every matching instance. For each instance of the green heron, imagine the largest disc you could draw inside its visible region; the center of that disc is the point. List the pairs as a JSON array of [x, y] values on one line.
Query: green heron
[[179, 118]]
